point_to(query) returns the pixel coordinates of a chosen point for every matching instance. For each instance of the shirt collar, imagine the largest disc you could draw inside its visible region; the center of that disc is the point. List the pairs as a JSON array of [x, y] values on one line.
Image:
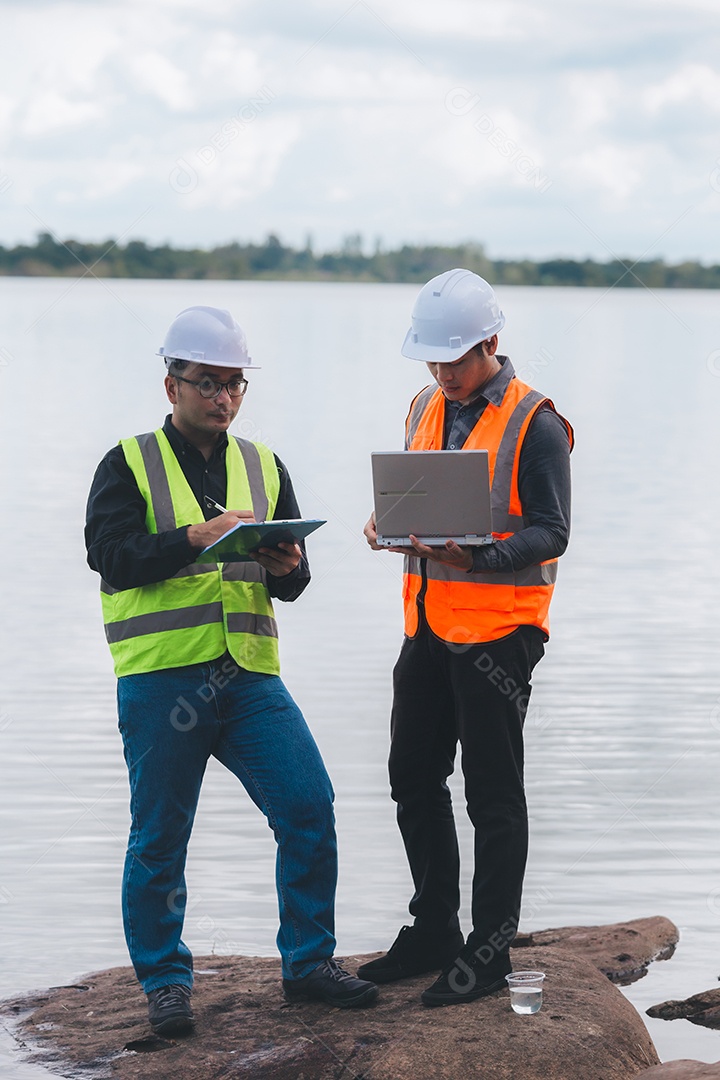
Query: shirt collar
[[494, 390]]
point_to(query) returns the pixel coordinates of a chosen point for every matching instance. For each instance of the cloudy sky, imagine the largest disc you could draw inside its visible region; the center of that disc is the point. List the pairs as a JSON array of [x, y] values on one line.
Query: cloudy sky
[[568, 127]]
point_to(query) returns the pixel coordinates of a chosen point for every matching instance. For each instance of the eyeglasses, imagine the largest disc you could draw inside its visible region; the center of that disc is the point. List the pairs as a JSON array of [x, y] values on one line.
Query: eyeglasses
[[209, 388]]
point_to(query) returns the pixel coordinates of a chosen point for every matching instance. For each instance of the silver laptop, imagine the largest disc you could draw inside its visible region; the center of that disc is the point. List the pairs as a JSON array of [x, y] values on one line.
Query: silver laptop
[[437, 495]]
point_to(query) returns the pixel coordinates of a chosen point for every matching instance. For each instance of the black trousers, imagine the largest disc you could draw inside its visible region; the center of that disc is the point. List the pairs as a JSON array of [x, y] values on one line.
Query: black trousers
[[476, 695]]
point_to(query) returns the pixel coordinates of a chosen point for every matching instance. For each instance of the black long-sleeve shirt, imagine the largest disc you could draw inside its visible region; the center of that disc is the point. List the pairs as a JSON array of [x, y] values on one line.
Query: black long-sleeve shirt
[[543, 480], [127, 556]]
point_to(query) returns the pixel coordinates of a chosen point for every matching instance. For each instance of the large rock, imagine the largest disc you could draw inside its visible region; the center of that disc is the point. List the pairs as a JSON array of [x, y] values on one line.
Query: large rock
[[622, 951], [702, 1008], [683, 1070], [586, 1029]]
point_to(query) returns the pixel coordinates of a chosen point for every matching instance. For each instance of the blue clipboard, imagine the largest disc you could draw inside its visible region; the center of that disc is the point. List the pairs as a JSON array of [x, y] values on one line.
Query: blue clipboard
[[247, 536]]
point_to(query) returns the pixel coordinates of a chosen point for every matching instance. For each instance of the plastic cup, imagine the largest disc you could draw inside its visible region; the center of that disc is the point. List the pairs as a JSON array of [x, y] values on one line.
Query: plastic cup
[[525, 991]]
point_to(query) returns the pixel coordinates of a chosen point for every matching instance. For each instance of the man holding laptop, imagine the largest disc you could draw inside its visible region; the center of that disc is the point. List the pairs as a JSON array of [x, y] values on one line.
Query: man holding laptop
[[196, 654], [476, 620]]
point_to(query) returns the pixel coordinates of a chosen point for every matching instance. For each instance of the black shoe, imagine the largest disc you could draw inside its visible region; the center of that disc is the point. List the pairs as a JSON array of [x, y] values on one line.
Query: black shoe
[[413, 953], [169, 1010], [329, 983], [467, 978]]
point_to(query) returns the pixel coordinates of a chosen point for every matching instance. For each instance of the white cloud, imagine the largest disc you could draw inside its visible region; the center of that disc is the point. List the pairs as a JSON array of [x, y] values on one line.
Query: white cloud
[[227, 66], [339, 194], [593, 98], [239, 168], [690, 84], [471, 19], [48, 112], [100, 180], [333, 81], [154, 74], [476, 149], [7, 108], [618, 172]]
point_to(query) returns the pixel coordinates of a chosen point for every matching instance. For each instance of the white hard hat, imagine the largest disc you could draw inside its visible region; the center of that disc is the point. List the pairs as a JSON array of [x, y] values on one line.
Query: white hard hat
[[207, 335], [453, 312]]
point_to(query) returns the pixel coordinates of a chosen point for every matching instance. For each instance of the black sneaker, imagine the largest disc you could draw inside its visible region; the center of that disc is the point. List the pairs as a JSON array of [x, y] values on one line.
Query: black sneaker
[[413, 953], [467, 978], [329, 983], [169, 1010]]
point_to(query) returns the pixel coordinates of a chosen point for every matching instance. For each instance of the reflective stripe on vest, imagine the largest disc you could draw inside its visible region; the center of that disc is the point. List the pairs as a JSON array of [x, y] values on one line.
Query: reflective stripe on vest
[[461, 607], [205, 609]]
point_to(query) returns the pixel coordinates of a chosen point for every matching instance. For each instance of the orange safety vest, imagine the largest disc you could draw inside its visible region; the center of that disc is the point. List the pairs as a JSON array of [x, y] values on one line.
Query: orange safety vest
[[460, 607]]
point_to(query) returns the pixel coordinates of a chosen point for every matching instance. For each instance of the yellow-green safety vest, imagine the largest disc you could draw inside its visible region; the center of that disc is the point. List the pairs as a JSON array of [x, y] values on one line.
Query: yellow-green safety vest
[[206, 609]]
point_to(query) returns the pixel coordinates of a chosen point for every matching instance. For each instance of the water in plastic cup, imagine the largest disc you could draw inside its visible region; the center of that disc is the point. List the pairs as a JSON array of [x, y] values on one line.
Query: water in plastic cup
[[525, 991]]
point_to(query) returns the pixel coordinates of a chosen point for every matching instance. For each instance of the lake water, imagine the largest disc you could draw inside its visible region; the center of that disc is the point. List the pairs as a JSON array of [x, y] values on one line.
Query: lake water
[[623, 731]]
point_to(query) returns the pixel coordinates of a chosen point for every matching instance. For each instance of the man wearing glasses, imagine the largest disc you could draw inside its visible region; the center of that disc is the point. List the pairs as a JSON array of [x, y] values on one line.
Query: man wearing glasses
[[195, 651]]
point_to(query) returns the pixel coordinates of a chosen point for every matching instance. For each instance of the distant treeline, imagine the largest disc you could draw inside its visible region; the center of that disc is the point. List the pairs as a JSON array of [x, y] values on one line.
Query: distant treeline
[[273, 260]]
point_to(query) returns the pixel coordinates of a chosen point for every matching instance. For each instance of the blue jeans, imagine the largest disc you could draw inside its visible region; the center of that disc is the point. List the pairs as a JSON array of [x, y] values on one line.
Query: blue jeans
[[171, 722]]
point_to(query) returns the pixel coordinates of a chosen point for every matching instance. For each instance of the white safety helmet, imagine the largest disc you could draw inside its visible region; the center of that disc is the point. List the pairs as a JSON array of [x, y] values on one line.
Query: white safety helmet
[[453, 312], [207, 335]]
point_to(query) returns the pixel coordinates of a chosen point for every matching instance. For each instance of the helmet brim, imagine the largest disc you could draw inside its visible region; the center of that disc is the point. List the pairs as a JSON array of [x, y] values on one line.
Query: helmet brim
[[196, 358]]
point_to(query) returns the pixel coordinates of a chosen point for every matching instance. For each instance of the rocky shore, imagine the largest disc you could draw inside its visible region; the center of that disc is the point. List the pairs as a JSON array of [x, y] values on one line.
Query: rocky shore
[[586, 1029]]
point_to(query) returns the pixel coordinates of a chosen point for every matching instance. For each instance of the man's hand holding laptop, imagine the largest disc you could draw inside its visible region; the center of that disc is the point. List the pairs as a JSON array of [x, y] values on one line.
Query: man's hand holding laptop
[[459, 557]]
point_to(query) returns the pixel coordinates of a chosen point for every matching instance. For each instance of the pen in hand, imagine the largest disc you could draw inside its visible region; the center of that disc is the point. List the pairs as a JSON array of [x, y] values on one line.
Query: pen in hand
[[215, 505]]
